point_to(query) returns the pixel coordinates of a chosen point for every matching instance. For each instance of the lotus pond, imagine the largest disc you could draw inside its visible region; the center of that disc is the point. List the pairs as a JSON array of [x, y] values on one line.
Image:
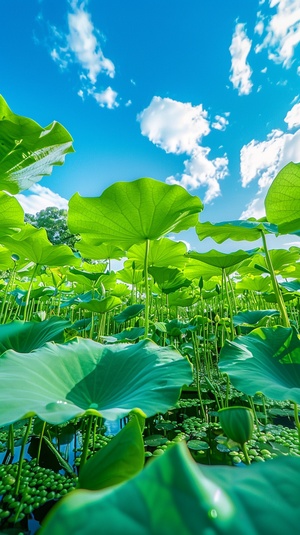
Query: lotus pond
[[157, 398]]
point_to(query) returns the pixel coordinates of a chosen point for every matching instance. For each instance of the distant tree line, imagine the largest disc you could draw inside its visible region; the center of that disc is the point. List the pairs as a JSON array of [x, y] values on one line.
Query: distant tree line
[[54, 221]]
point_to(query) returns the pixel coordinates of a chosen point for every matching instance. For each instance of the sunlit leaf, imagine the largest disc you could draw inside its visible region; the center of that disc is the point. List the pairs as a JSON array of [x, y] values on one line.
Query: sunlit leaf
[[283, 199], [192, 499], [28, 151], [58, 382]]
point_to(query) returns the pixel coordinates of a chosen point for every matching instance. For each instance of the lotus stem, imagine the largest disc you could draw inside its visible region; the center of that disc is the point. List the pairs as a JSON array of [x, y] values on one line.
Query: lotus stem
[[24, 442], [29, 291], [297, 423], [278, 295], [245, 452], [86, 441], [40, 443], [147, 292]]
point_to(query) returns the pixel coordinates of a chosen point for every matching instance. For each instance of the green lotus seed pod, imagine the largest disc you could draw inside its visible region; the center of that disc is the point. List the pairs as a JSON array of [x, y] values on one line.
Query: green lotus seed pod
[[237, 423]]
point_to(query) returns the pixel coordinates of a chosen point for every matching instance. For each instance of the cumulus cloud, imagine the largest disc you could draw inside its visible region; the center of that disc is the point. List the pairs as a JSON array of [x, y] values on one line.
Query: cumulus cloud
[[240, 69], [81, 44], [40, 198], [178, 128], [292, 118], [200, 171], [262, 160], [174, 126], [107, 98], [220, 122], [281, 31]]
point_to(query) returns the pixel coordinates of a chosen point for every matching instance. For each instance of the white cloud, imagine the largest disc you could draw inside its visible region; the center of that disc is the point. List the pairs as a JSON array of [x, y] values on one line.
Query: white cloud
[[262, 160], [174, 126], [106, 99], [282, 31], [220, 122], [264, 70], [292, 118], [40, 198], [240, 69], [178, 128], [82, 41], [199, 171], [128, 103], [82, 45]]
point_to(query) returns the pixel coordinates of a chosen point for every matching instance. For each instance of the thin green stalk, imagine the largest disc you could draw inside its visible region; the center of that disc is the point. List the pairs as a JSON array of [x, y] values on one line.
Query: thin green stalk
[[245, 452], [229, 304], [278, 295], [29, 291], [21, 459], [147, 292], [86, 441], [11, 442], [297, 423], [40, 443]]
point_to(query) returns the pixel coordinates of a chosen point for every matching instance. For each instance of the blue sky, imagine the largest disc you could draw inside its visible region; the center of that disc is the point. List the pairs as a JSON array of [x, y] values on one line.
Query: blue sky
[[205, 94]]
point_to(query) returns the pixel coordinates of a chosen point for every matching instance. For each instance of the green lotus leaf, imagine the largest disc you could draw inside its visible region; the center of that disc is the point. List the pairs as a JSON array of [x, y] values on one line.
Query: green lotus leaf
[[266, 360], [128, 335], [96, 250], [283, 199], [130, 276], [132, 212], [24, 336], [256, 284], [101, 306], [6, 261], [192, 499], [162, 253], [128, 313], [28, 151], [12, 214], [291, 286], [182, 298], [60, 382], [169, 279], [33, 244], [222, 260], [239, 230], [121, 459], [253, 317], [91, 275], [237, 423]]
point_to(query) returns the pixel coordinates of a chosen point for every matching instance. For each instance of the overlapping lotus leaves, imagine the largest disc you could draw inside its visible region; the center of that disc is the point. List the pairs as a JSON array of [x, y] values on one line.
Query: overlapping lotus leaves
[[59, 382], [162, 253], [101, 305], [175, 495], [99, 251], [266, 360], [239, 230], [25, 336], [12, 215], [222, 260], [253, 317], [128, 313], [34, 245], [28, 151], [283, 199], [133, 212], [121, 459]]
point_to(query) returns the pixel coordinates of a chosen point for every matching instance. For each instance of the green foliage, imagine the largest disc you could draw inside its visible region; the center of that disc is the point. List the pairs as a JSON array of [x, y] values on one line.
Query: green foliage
[[54, 221], [59, 382], [283, 199], [28, 151], [249, 230], [175, 495], [266, 360]]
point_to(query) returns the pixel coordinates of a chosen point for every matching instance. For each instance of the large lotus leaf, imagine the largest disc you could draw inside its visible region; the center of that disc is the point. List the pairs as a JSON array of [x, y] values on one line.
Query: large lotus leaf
[[283, 199], [101, 306], [281, 259], [60, 382], [121, 459], [91, 275], [238, 230], [12, 214], [103, 251], [128, 313], [175, 495], [6, 261], [266, 360], [133, 212], [182, 298], [169, 279], [33, 244], [255, 284], [196, 269], [162, 253], [24, 336], [222, 260], [253, 317], [130, 276], [28, 151], [291, 286]]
